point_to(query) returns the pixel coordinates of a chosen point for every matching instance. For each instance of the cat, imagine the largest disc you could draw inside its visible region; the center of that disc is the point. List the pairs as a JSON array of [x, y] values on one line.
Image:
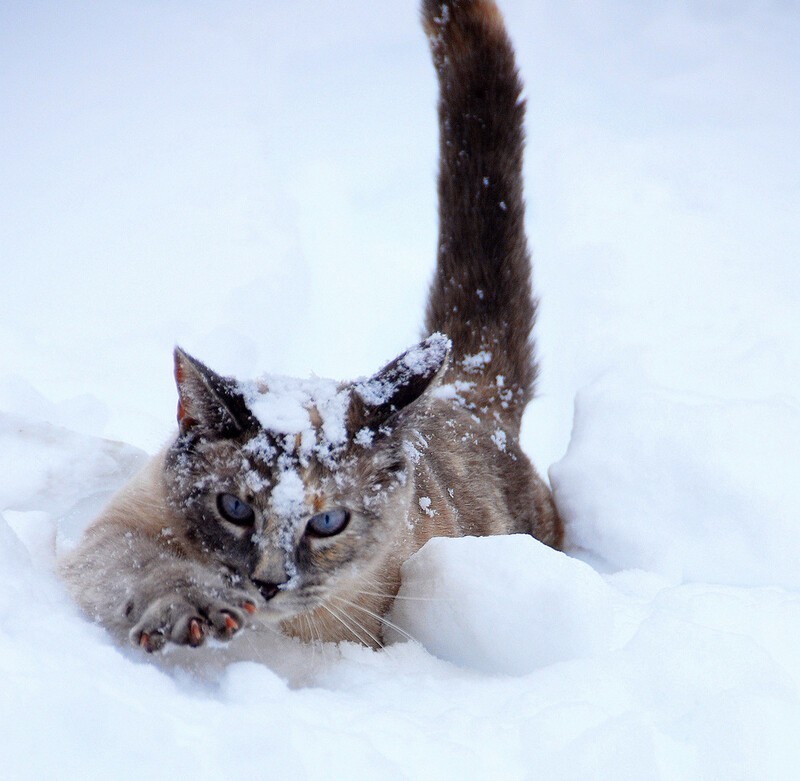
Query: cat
[[299, 500]]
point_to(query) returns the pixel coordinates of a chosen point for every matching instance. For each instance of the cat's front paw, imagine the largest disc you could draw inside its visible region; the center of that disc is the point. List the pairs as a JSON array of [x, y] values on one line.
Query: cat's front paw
[[188, 616]]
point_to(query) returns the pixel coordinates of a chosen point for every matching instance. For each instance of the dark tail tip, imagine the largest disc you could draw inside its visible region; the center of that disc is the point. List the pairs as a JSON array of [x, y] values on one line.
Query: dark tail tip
[[450, 24]]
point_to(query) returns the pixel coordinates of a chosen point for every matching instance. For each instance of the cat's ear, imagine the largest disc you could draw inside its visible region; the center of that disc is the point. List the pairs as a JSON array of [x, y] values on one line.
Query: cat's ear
[[208, 403], [399, 384]]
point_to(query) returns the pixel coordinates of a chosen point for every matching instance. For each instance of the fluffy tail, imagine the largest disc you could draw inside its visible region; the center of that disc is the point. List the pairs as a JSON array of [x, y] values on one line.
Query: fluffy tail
[[481, 293]]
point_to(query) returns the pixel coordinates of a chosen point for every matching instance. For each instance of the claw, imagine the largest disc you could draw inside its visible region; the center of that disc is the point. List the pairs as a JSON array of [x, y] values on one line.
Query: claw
[[144, 641], [231, 623], [249, 607], [195, 631]]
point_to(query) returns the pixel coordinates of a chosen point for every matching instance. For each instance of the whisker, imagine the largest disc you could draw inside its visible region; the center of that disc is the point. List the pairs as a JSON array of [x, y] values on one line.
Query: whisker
[[245, 637], [317, 634], [376, 641], [346, 623], [385, 621], [343, 623], [397, 596], [312, 641], [381, 590]]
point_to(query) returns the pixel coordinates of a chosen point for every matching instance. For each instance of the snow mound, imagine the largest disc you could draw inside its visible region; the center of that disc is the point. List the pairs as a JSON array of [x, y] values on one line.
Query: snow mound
[[688, 486], [50, 472], [46, 467], [502, 604]]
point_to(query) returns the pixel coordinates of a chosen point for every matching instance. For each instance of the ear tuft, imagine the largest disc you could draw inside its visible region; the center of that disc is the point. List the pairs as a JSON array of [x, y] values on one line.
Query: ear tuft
[[207, 402], [400, 383]]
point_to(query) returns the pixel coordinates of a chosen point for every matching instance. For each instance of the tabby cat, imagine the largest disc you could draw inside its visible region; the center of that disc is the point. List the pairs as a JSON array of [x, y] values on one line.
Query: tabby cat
[[299, 500]]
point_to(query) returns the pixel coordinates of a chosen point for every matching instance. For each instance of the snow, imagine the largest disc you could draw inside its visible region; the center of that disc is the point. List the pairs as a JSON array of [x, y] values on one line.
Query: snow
[[427, 356], [499, 439], [262, 192], [477, 361], [708, 486], [423, 359], [425, 505], [364, 437], [456, 593], [287, 496], [287, 407]]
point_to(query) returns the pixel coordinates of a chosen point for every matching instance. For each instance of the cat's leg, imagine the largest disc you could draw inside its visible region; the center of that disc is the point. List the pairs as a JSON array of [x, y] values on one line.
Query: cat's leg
[[185, 610], [149, 594]]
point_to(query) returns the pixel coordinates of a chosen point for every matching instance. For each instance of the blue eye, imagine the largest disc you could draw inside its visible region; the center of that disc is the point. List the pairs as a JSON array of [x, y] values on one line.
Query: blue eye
[[234, 510], [328, 523]]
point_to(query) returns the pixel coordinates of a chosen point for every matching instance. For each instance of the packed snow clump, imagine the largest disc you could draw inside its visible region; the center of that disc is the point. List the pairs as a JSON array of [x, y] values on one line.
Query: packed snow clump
[[502, 604], [311, 411], [688, 486]]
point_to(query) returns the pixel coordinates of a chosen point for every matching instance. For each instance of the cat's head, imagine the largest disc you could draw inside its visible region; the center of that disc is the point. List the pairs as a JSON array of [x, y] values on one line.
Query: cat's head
[[299, 485]]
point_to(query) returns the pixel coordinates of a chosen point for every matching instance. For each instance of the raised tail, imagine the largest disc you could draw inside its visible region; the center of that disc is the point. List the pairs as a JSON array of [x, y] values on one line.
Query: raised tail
[[481, 293]]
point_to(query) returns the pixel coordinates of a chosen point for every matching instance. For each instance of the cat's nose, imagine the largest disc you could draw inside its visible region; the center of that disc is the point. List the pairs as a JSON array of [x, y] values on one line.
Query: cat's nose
[[268, 590]]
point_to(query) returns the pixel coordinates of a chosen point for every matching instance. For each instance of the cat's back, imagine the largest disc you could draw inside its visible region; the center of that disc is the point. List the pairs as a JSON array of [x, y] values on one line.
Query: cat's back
[[472, 478]]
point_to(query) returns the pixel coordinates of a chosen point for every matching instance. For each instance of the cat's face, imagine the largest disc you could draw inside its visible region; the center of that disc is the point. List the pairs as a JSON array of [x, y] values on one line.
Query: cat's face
[[298, 486]]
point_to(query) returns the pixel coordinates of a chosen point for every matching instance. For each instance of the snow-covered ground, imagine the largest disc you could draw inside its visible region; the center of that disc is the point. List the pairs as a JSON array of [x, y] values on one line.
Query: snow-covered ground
[[255, 181]]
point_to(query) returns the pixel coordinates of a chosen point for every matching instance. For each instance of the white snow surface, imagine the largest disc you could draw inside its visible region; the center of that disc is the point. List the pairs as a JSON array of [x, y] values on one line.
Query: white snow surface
[[256, 183]]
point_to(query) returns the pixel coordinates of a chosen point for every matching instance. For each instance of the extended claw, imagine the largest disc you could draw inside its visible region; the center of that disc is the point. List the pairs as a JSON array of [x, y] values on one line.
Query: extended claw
[[231, 623], [151, 642], [195, 632]]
